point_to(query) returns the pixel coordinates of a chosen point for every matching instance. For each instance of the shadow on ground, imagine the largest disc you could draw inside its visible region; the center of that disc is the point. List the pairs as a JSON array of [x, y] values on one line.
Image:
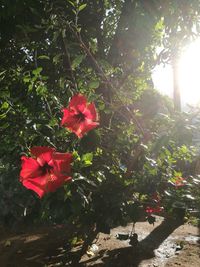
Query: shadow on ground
[[132, 256], [44, 247], [48, 247]]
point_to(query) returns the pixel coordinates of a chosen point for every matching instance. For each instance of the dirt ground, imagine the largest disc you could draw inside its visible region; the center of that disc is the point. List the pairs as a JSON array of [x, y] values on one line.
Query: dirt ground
[[162, 244]]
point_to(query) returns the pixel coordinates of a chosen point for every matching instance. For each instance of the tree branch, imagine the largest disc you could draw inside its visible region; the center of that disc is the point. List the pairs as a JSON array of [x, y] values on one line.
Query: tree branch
[[104, 77], [69, 61]]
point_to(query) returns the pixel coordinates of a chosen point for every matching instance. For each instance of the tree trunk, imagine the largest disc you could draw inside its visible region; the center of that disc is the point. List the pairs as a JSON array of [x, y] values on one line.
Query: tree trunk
[[176, 92]]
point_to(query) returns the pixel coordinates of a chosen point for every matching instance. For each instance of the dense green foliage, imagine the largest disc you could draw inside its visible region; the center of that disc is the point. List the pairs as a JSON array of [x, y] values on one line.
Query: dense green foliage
[[106, 50]]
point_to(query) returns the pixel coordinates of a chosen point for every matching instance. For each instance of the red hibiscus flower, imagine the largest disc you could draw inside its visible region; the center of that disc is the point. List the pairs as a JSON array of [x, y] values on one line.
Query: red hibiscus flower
[[80, 117], [46, 171], [156, 209]]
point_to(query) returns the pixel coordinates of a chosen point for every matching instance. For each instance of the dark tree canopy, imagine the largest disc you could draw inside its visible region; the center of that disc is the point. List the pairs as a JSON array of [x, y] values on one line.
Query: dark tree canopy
[[106, 50]]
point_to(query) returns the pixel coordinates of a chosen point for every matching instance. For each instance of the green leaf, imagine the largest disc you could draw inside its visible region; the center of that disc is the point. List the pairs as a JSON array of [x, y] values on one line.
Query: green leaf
[[101, 106], [41, 90], [94, 84], [2, 72], [5, 105], [82, 7], [62, 82], [56, 35], [37, 71], [76, 157], [57, 58], [5, 125], [43, 57], [77, 61], [2, 116], [87, 159], [53, 122], [73, 4], [74, 241], [26, 79], [30, 88]]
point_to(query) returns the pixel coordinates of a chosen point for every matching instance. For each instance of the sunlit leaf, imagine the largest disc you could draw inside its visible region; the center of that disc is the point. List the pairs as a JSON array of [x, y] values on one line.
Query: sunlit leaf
[[82, 7]]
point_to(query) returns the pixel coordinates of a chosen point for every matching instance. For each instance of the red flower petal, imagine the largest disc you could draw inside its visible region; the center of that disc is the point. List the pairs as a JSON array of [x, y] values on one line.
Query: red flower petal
[[30, 168], [149, 210], [41, 178], [43, 154], [90, 112], [66, 114], [45, 184], [55, 182], [78, 102], [38, 185], [78, 127], [154, 209], [62, 163], [79, 117], [69, 120], [85, 127]]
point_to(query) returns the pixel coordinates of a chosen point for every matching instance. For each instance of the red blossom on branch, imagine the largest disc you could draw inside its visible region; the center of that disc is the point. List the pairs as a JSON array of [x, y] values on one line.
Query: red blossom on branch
[[80, 117], [156, 209], [46, 171]]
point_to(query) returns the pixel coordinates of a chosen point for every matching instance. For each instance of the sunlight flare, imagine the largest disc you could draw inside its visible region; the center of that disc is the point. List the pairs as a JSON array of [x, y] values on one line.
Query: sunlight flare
[[189, 74]]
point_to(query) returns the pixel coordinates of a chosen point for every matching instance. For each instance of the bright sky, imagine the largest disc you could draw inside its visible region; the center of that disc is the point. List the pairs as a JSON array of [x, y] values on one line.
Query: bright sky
[[189, 76]]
